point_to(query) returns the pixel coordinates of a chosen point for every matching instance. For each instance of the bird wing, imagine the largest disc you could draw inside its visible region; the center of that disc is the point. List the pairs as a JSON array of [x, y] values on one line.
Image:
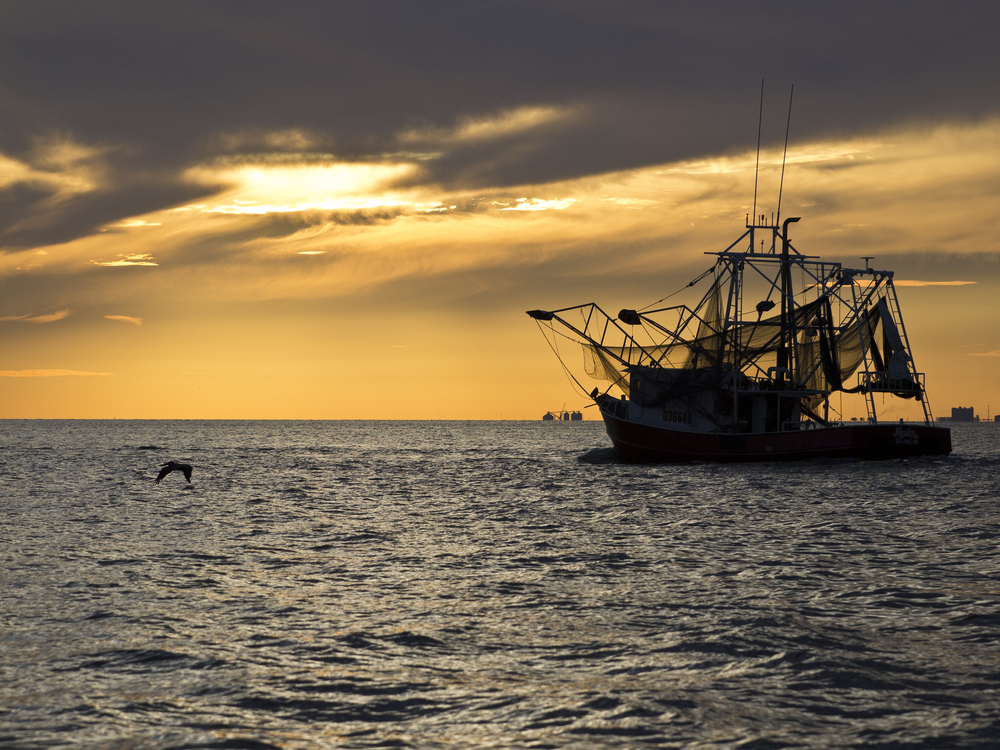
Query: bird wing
[[187, 473], [163, 472]]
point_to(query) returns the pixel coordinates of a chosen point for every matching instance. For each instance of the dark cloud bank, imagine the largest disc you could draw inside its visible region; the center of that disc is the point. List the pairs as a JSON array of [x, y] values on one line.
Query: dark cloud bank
[[160, 86]]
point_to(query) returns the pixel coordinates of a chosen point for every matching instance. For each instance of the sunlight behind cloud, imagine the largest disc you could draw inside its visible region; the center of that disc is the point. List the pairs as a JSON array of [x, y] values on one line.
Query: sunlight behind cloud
[[133, 223], [136, 259], [537, 204], [263, 188]]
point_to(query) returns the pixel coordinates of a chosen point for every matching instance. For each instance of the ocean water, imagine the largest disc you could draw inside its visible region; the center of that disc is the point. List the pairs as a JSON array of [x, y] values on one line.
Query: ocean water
[[478, 584]]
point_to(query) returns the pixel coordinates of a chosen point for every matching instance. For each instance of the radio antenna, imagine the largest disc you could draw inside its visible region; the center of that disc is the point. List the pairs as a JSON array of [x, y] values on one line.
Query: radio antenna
[[787, 124], [756, 170]]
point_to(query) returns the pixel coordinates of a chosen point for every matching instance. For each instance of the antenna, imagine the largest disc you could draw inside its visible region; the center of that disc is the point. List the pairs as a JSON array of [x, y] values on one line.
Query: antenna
[[787, 124], [760, 116]]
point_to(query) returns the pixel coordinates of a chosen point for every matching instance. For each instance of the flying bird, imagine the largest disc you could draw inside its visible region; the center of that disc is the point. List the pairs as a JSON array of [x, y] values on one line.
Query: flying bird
[[174, 466]]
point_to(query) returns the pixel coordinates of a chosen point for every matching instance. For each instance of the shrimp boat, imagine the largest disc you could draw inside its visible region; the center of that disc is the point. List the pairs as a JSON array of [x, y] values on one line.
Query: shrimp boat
[[734, 379]]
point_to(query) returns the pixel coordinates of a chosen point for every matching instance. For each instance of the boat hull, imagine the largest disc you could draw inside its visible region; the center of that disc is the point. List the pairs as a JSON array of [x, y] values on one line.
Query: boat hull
[[638, 443]]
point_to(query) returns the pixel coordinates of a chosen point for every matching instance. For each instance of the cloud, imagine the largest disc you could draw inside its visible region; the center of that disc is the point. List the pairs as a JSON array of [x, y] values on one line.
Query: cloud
[[59, 167], [538, 204], [317, 157], [125, 319], [134, 223], [503, 125], [135, 259], [51, 374], [293, 139], [46, 318], [586, 90], [994, 353], [306, 183], [913, 282], [660, 217]]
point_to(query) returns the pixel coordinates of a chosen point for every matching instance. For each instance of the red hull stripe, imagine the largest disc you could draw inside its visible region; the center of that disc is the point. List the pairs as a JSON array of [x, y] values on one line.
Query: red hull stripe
[[638, 443]]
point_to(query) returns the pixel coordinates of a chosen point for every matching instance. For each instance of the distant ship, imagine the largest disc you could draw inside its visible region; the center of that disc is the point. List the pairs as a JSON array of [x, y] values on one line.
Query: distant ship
[[562, 416], [719, 381]]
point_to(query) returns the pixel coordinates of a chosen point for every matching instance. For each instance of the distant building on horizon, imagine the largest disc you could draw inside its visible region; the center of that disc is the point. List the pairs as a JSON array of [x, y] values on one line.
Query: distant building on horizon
[[963, 414]]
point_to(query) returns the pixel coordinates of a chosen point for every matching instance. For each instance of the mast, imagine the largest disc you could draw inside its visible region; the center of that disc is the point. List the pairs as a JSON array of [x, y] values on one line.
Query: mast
[[787, 126], [786, 300], [756, 171], [786, 271]]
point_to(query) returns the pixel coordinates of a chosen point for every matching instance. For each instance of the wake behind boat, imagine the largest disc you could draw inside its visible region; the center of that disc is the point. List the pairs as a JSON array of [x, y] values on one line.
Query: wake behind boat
[[721, 382]]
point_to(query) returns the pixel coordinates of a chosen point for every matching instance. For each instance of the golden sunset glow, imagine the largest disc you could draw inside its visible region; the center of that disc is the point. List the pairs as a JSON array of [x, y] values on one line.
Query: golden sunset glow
[[265, 188], [309, 287]]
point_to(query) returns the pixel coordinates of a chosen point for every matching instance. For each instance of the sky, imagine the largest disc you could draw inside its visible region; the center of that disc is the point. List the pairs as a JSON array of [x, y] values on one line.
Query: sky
[[333, 210]]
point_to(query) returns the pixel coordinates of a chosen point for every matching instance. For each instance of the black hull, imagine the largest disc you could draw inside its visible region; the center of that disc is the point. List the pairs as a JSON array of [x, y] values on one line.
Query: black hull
[[637, 443]]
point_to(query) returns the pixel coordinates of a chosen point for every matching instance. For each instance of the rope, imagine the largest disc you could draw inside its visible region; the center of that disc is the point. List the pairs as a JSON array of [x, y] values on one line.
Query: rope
[[555, 351], [689, 284]]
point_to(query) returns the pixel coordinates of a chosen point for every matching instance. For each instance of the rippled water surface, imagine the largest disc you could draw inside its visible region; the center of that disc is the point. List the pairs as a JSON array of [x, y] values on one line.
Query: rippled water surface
[[451, 585]]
